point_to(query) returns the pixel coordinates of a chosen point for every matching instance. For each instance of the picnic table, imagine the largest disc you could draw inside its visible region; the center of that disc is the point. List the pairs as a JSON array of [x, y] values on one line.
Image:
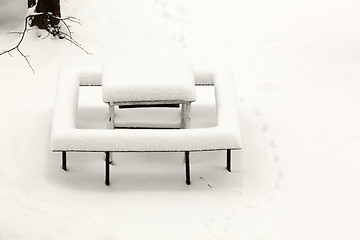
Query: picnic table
[[148, 83]]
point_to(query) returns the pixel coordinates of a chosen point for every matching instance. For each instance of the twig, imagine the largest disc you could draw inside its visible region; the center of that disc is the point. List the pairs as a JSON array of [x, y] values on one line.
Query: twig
[[77, 44], [208, 184], [70, 37], [72, 19], [20, 33], [67, 27], [48, 34], [18, 45]]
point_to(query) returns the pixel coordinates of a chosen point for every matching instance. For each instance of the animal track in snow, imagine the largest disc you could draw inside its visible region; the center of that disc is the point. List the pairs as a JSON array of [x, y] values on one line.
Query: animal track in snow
[[280, 175], [272, 144], [264, 128], [172, 10], [257, 112], [175, 13], [276, 172], [275, 159]]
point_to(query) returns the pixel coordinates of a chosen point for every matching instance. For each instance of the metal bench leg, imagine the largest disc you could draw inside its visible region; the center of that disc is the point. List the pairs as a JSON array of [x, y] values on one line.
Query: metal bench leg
[[228, 164], [187, 167], [64, 161], [107, 168]]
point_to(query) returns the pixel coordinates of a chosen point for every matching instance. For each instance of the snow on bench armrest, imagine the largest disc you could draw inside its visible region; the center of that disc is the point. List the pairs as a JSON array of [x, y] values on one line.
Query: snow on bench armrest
[[203, 76]]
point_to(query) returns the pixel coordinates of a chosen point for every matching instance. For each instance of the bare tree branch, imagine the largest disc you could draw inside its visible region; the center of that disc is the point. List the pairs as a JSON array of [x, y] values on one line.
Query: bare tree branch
[[20, 33], [76, 44], [18, 45], [53, 30], [48, 34]]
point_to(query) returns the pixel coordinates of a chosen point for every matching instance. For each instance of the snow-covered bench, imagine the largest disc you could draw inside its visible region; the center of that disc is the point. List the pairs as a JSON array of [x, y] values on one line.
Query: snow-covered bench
[[67, 137]]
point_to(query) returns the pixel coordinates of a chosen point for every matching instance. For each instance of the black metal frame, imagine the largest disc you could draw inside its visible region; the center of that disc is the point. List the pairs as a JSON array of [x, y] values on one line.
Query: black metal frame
[[107, 168], [187, 165], [64, 167], [151, 105], [228, 160]]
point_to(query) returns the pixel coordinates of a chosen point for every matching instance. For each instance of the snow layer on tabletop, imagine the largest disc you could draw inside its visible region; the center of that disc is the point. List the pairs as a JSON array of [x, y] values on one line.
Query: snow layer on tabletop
[[147, 80], [66, 137]]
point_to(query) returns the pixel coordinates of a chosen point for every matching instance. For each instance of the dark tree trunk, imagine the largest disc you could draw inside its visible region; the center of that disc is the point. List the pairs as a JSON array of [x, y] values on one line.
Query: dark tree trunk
[[51, 12]]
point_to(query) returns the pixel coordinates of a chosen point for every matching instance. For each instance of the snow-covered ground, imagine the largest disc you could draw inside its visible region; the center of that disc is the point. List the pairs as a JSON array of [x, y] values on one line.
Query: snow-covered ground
[[297, 70]]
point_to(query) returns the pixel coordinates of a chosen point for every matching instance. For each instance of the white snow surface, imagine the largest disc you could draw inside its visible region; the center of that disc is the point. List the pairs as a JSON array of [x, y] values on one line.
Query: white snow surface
[[147, 80], [296, 65]]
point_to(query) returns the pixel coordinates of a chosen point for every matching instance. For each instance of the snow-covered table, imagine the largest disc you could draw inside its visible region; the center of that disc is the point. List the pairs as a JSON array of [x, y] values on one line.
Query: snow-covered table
[[148, 82]]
